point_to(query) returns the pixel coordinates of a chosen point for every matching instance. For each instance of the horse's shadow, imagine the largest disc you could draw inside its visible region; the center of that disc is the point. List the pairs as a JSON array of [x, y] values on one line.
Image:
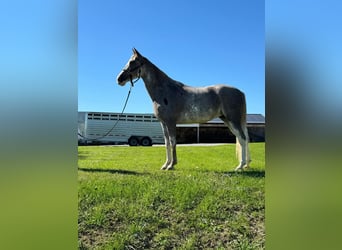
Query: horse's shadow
[[110, 171], [253, 173], [248, 173]]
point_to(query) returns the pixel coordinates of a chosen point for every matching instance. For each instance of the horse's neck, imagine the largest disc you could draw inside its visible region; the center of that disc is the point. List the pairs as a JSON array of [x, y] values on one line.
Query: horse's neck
[[154, 79], [153, 73]]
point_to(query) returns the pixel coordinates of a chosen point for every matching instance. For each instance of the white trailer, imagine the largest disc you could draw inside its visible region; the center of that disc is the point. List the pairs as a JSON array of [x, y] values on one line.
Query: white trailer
[[115, 128]]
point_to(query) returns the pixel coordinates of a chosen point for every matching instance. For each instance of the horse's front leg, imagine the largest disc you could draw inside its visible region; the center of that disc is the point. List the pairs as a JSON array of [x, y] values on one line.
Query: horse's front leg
[[173, 143], [167, 146]]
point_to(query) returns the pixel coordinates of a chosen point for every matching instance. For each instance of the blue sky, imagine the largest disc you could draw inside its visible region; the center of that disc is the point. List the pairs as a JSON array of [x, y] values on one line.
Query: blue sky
[[196, 42]]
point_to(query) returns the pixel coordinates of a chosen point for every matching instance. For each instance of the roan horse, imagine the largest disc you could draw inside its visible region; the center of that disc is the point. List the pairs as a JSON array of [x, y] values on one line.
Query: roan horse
[[175, 102]]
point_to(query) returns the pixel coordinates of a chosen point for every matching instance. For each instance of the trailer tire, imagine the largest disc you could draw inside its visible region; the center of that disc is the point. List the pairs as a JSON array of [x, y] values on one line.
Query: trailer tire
[[146, 141], [133, 141]]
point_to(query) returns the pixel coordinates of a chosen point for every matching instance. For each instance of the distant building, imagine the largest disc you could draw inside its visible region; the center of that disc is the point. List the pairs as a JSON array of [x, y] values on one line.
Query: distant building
[[215, 131]]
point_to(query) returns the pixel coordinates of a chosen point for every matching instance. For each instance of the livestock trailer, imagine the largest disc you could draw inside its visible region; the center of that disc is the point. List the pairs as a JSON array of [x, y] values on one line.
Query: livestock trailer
[[115, 128]]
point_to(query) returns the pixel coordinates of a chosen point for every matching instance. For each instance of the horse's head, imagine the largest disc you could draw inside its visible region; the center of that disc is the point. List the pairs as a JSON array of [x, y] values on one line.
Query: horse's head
[[132, 70]]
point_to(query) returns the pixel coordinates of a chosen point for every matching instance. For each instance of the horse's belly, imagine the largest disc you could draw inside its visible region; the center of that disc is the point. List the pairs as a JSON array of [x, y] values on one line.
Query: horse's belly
[[195, 114]]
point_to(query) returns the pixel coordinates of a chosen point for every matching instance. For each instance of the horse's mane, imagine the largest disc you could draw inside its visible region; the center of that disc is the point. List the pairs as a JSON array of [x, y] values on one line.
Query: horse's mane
[[162, 73]]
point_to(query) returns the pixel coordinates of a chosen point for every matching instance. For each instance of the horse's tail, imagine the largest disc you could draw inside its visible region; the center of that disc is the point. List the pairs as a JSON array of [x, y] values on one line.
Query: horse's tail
[[243, 110], [234, 111], [245, 130], [243, 127]]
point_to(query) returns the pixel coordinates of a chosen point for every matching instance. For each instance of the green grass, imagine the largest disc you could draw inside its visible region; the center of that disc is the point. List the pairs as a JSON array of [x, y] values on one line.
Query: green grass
[[126, 202]]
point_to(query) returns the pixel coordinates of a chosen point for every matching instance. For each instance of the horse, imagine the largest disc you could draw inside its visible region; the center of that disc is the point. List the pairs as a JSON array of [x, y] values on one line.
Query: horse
[[177, 103]]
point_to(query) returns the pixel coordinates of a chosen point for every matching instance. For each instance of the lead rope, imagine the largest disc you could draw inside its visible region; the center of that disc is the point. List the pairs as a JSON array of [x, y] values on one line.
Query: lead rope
[[132, 82], [123, 110]]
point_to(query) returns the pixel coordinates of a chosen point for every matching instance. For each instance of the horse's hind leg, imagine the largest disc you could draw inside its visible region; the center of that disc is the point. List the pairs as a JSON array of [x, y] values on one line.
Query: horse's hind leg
[[242, 150], [241, 145]]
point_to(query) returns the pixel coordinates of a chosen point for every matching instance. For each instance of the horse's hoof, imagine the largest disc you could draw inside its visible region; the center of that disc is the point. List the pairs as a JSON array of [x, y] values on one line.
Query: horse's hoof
[[163, 168], [170, 168], [238, 168]]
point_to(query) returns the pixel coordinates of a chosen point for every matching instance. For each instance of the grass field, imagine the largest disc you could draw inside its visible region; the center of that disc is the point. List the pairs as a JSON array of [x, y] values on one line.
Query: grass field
[[126, 202]]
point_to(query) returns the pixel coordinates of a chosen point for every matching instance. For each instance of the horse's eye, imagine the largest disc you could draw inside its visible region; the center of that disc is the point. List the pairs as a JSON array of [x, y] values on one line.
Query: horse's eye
[[131, 64]]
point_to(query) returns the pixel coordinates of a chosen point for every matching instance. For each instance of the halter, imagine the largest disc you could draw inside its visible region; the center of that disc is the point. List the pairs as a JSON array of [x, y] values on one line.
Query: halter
[[131, 79], [130, 75]]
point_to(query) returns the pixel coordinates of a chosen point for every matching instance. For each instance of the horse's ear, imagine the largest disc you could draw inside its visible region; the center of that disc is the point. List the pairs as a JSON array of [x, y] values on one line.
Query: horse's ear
[[135, 52]]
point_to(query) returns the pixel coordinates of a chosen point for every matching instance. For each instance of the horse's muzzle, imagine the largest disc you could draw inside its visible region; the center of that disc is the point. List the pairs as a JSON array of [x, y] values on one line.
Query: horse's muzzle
[[122, 78]]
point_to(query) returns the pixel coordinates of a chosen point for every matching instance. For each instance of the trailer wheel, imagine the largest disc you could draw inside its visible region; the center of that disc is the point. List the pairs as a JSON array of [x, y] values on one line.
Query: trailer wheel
[[146, 141], [133, 141]]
